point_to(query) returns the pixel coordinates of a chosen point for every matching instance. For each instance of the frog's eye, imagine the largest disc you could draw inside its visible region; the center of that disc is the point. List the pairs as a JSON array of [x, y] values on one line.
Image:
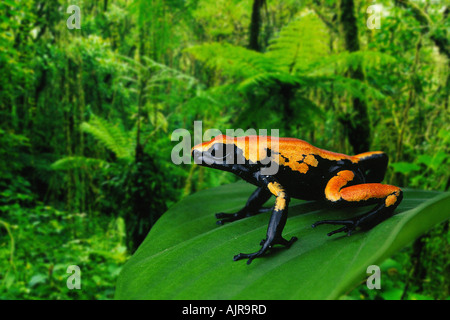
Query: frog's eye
[[217, 150]]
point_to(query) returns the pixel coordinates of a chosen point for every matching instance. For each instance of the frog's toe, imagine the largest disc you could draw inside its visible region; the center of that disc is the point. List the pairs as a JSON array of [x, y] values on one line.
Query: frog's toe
[[349, 227], [249, 256], [280, 240], [227, 217]]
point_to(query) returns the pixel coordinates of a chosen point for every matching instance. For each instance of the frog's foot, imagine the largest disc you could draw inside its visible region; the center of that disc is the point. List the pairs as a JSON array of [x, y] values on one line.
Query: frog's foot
[[350, 225], [386, 196], [230, 217], [280, 240], [266, 245]]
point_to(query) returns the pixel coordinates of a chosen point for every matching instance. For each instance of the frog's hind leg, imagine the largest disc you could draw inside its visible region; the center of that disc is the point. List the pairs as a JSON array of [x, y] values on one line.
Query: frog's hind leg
[[253, 207], [386, 196], [374, 165]]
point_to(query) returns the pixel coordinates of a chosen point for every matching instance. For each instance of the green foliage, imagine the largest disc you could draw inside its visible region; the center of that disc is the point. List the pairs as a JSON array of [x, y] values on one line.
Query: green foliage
[[13, 188], [187, 256], [424, 277], [302, 42], [70, 163], [41, 243], [86, 118], [112, 137], [297, 65]]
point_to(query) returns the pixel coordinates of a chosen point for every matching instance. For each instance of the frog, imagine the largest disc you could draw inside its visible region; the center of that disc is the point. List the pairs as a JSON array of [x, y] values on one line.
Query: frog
[[304, 172]]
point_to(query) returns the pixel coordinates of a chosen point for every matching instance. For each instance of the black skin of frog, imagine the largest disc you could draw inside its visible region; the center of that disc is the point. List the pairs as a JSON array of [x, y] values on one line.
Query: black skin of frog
[[303, 172]]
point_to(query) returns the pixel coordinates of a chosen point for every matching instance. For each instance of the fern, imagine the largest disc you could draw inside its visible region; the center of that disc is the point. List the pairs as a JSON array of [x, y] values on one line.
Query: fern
[[301, 48], [69, 163], [155, 73], [233, 61], [303, 41], [341, 62], [297, 62], [112, 137]]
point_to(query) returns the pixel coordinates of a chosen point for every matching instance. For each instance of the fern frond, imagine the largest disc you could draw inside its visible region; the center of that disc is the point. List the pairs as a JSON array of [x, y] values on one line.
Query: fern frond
[[270, 79], [69, 163], [340, 84], [341, 62], [302, 42], [233, 61], [343, 85], [112, 137]]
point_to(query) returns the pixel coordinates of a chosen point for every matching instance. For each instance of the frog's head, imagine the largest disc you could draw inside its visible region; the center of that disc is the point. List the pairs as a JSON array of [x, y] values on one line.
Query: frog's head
[[220, 153]]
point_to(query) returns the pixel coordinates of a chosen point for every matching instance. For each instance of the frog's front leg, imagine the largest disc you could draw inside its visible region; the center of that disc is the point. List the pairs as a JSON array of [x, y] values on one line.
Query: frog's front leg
[[252, 207], [276, 223], [386, 196]]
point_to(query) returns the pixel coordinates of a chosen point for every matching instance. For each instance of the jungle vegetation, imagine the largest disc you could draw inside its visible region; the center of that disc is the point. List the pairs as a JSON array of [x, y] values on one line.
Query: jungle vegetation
[[86, 118]]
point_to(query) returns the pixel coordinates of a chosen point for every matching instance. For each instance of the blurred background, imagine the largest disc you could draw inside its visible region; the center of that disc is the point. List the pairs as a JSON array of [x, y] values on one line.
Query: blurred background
[[86, 117]]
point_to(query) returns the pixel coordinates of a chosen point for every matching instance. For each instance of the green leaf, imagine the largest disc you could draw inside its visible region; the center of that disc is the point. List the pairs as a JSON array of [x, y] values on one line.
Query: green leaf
[[434, 161], [187, 256], [405, 167], [37, 279]]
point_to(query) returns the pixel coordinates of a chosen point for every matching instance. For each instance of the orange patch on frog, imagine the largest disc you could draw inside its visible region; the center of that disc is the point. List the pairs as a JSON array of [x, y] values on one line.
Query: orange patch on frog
[[334, 186]]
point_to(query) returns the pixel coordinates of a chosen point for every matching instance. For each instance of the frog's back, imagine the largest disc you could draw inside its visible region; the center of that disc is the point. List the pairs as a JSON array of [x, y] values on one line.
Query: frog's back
[[292, 148], [305, 169], [253, 148], [295, 149]]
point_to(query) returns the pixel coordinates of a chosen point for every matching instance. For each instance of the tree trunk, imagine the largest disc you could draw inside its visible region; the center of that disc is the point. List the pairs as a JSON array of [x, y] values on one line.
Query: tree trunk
[[255, 25], [138, 220], [358, 125]]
